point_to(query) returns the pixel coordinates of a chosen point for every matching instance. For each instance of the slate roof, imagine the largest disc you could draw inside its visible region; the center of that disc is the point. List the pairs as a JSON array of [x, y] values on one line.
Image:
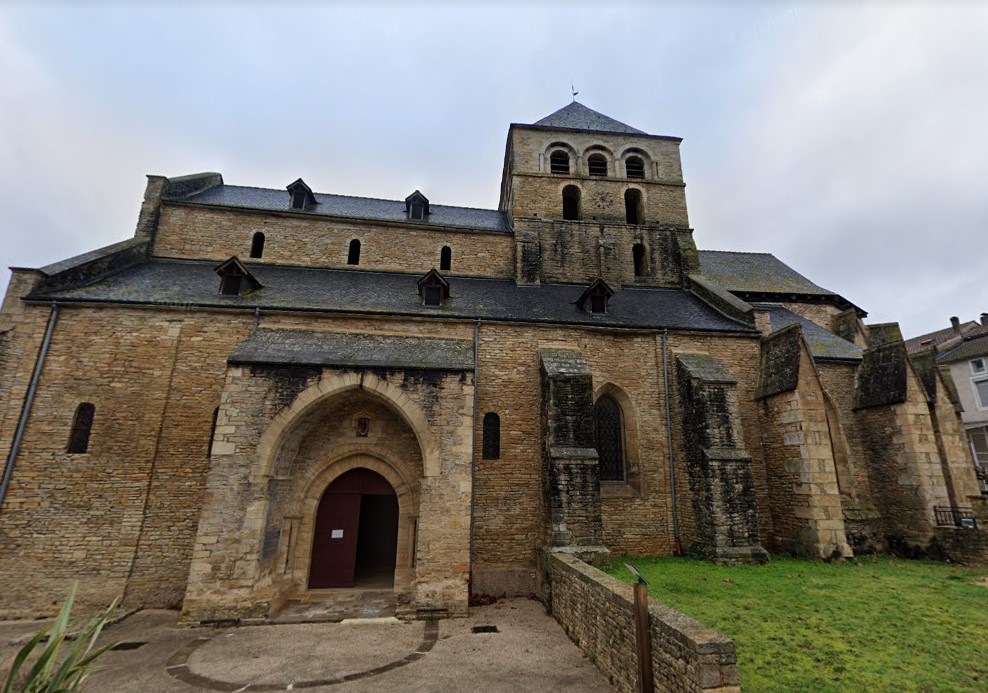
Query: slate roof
[[266, 199], [578, 117], [971, 348], [305, 347], [193, 283], [755, 273], [931, 339], [824, 345]]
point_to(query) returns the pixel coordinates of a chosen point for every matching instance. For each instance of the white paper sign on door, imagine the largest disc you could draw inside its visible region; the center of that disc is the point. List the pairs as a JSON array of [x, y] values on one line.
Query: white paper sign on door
[[337, 534]]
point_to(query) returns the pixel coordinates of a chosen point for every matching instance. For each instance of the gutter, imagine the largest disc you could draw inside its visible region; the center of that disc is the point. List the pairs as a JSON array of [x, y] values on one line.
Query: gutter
[[28, 402], [672, 466], [473, 457]]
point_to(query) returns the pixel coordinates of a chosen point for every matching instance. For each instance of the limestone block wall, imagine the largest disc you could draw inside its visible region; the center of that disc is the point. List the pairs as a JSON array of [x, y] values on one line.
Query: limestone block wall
[[125, 511], [534, 191], [821, 314], [719, 474], [807, 514], [954, 448], [197, 232], [509, 512], [903, 461], [231, 576], [572, 251], [596, 612]]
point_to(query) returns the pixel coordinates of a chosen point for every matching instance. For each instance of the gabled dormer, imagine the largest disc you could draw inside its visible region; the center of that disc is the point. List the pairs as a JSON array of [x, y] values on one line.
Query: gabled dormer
[[300, 197], [235, 279], [417, 206], [594, 299], [433, 289]]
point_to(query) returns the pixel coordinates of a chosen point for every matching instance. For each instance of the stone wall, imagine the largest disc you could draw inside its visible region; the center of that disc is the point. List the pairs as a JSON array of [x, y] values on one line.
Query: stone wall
[[126, 510], [719, 467], [194, 231], [596, 611], [264, 413], [900, 444], [575, 251], [535, 192], [807, 515]]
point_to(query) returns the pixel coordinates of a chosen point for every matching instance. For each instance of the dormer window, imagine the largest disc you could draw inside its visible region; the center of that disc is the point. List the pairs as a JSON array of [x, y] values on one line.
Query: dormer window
[[300, 196], [417, 206], [594, 300], [433, 289], [235, 279], [597, 165]]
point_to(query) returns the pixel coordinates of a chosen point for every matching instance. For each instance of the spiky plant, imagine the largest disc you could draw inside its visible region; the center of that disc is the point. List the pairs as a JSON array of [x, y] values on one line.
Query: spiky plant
[[64, 662]]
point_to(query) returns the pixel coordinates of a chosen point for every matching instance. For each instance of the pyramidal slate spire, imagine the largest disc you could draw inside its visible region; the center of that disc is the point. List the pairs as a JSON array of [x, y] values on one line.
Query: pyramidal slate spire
[[577, 116]]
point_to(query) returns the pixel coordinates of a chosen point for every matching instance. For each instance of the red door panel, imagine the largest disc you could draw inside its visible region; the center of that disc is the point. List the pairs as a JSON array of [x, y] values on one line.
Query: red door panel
[[334, 546]]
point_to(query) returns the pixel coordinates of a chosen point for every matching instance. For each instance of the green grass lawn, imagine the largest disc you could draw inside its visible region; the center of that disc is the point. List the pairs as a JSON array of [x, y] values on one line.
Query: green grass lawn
[[873, 624]]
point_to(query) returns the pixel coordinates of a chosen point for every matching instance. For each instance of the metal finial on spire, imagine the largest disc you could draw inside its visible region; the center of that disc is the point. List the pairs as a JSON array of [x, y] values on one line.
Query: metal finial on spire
[[573, 89]]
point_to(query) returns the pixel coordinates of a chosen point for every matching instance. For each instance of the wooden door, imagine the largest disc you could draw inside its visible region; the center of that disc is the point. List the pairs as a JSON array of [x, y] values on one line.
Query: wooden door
[[334, 546]]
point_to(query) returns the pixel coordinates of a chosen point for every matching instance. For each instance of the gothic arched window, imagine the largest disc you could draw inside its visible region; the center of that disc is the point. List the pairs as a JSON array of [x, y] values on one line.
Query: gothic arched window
[[492, 436], [609, 436], [445, 258]]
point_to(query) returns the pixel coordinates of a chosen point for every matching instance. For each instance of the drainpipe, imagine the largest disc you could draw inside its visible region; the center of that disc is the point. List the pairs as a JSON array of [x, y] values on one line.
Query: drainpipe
[[39, 364], [473, 460], [672, 466]]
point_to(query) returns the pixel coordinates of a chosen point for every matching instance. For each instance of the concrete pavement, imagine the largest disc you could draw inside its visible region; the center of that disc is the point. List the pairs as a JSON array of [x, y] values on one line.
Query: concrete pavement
[[528, 652]]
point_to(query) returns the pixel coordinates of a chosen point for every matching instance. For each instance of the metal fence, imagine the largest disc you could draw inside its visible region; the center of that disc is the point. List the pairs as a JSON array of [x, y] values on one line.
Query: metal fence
[[955, 517]]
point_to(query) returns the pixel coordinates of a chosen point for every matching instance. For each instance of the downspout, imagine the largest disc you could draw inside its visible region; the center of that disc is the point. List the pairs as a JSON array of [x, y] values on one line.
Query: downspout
[[473, 461], [672, 465], [32, 388]]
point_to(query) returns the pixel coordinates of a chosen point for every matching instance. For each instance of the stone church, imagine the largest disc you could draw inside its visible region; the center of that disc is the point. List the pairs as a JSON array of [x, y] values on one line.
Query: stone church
[[266, 393]]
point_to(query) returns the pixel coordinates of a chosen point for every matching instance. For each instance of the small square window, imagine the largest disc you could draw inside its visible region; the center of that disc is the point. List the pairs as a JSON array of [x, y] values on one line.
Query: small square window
[[978, 365]]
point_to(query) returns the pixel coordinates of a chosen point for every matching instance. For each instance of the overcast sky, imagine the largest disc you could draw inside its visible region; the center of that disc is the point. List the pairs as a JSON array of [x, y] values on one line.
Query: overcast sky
[[849, 140]]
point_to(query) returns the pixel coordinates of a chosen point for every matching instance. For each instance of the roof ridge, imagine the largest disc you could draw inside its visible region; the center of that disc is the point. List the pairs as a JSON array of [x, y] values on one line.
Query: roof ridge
[[348, 197]]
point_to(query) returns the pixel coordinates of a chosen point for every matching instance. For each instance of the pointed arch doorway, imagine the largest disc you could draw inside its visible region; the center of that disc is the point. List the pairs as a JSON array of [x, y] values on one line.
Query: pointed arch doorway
[[356, 533]]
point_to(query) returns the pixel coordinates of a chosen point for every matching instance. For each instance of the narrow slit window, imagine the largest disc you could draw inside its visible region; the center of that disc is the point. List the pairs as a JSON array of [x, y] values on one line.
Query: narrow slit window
[[635, 167], [212, 432], [257, 245], [559, 162], [571, 203], [82, 426], [353, 256], [445, 258], [597, 164], [638, 255], [492, 436]]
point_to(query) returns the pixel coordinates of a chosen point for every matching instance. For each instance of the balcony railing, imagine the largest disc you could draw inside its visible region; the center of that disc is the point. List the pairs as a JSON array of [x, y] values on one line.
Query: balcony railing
[[955, 517]]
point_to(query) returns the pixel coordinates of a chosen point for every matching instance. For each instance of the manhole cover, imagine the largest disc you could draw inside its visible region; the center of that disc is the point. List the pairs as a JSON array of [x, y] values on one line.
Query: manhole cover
[[484, 629]]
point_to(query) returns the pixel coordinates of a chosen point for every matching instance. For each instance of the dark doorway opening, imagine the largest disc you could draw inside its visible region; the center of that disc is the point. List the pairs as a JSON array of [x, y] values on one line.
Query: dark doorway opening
[[356, 533]]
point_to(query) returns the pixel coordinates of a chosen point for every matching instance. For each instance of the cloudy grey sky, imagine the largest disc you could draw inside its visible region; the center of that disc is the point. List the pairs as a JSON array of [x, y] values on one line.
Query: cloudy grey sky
[[849, 140]]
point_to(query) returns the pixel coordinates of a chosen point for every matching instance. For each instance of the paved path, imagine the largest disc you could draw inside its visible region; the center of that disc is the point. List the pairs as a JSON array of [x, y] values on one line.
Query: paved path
[[529, 652]]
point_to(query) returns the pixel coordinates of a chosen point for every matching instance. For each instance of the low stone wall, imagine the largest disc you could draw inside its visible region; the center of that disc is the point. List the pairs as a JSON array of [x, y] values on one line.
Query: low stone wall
[[595, 610], [964, 545]]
